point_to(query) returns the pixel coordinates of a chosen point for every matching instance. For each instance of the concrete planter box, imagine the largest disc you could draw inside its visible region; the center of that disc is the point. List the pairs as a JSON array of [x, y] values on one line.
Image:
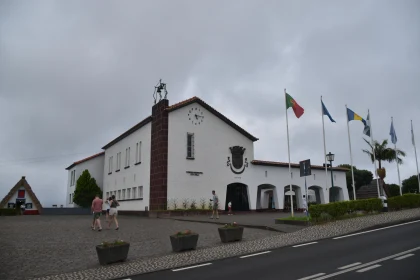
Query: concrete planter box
[[231, 234], [184, 242], [291, 222], [112, 254]]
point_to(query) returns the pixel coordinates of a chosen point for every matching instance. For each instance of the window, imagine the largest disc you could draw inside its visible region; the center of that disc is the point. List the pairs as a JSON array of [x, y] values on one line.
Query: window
[[110, 165], [72, 177], [123, 194], [118, 161], [134, 192], [119, 194], [106, 195], [70, 199], [127, 157], [28, 206], [266, 173], [314, 176], [128, 193], [138, 152], [21, 193], [190, 145], [141, 192]]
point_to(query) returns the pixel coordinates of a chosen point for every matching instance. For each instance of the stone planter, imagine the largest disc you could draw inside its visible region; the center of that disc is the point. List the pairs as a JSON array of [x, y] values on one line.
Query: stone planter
[[112, 253], [231, 234], [184, 242]]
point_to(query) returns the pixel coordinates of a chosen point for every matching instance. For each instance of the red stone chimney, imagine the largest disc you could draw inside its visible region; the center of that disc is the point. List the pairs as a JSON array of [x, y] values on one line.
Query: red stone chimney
[[159, 157]]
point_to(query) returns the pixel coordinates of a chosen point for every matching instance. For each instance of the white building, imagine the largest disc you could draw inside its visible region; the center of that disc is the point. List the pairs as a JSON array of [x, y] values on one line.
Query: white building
[[94, 164], [184, 151]]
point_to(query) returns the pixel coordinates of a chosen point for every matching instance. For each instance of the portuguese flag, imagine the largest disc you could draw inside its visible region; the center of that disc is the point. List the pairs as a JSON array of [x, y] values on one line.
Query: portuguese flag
[[290, 102]]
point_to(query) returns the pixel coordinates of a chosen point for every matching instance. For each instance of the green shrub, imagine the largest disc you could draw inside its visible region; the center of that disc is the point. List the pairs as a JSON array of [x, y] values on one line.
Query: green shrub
[[336, 210], [8, 212], [409, 200]]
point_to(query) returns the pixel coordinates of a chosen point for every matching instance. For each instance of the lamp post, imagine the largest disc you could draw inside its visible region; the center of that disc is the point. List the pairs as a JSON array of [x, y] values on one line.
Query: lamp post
[[330, 158]]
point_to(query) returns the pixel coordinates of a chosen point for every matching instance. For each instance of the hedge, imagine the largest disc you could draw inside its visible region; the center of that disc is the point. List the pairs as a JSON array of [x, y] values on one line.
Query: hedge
[[341, 208], [409, 200], [8, 212]]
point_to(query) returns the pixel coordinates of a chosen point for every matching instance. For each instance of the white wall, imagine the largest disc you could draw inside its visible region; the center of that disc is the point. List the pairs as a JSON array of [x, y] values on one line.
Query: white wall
[[212, 140], [27, 199], [95, 167], [134, 176]]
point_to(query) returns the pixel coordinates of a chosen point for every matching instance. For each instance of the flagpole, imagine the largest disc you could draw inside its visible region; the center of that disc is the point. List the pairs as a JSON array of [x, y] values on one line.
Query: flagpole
[[288, 151], [351, 157], [325, 157], [415, 153], [374, 156], [396, 158]]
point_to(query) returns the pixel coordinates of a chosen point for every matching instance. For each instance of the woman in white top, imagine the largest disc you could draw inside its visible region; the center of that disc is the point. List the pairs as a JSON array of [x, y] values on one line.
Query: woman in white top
[[107, 208]]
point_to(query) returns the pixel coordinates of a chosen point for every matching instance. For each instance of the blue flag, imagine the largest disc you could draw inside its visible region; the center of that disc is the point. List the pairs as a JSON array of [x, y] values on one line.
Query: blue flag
[[325, 111], [393, 134]]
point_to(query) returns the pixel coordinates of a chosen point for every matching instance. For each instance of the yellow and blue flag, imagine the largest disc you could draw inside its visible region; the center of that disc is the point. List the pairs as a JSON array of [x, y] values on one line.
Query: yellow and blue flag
[[352, 116]]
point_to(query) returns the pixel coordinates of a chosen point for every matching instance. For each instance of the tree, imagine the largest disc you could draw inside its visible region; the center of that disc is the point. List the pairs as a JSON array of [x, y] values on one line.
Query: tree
[[86, 189], [410, 185], [394, 190], [383, 153], [362, 177]]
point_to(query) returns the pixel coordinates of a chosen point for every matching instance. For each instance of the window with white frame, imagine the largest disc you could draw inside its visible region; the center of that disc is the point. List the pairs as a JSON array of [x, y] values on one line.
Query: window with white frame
[[138, 152], [134, 193], [110, 165], [119, 194], [70, 199], [190, 145], [118, 161], [123, 194], [141, 192], [72, 177], [129, 193], [127, 157]]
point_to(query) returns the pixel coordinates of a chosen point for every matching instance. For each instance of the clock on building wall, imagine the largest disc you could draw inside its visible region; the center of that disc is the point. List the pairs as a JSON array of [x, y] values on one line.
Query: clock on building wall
[[195, 115]]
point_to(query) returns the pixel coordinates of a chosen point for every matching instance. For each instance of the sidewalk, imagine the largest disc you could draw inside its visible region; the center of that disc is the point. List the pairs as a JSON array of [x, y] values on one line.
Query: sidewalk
[[260, 220]]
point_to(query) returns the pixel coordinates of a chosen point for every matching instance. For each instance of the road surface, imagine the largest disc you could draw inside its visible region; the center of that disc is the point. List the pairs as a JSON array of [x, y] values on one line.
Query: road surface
[[386, 253]]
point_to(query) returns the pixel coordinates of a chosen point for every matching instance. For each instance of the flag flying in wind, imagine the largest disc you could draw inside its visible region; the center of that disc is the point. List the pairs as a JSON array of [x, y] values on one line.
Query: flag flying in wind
[[325, 111], [392, 133], [352, 116], [290, 102], [366, 130]]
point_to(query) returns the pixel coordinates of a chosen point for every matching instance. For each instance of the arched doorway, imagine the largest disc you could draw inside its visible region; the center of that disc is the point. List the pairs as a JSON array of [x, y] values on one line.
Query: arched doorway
[[267, 197], [296, 195], [336, 194], [237, 193], [317, 196]]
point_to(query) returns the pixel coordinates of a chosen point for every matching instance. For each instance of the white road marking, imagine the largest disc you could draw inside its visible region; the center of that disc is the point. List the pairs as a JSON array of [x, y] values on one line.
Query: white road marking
[[312, 276], [403, 257], [256, 254], [369, 268], [189, 267], [304, 244], [367, 264], [349, 235], [350, 265]]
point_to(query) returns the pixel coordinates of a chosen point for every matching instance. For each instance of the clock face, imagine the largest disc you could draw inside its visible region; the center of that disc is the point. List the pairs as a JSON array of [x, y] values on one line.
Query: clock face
[[195, 116]]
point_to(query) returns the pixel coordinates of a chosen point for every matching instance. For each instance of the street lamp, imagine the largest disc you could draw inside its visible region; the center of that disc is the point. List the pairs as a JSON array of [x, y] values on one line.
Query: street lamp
[[330, 158]]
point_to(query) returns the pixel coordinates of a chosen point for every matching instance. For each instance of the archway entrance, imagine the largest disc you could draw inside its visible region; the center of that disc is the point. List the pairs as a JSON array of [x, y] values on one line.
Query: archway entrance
[[336, 194], [296, 195], [266, 197], [237, 193], [317, 195]]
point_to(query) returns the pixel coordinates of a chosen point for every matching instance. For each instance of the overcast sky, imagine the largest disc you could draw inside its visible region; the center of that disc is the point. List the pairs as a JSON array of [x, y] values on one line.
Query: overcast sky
[[76, 74]]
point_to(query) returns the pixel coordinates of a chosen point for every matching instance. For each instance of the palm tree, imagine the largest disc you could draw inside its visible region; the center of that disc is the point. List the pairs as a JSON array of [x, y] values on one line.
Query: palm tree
[[383, 153]]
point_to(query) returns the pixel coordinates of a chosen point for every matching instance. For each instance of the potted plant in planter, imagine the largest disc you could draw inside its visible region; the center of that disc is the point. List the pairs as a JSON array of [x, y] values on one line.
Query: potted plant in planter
[[184, 240], [111, 252], [231, 232]]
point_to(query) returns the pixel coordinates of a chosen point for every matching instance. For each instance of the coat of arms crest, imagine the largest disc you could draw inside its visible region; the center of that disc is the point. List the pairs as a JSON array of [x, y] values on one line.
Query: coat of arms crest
[[237, 160]]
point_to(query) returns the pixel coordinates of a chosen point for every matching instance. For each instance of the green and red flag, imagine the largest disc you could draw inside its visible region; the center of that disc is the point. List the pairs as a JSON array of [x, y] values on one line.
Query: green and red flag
[[290, 102]]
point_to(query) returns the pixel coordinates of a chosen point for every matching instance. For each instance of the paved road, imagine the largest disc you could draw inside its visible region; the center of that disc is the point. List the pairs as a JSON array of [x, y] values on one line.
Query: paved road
[[388, 253]]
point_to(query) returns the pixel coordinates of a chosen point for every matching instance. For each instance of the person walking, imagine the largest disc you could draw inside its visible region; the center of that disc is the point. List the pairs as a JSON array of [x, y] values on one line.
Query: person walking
[[113, 212], [97, 211], [230, 208], [215, 205], [107, 208]]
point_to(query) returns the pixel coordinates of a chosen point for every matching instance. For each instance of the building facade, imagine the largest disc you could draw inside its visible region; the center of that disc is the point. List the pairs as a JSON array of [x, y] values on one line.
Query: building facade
[[94, 164], [182, 152]]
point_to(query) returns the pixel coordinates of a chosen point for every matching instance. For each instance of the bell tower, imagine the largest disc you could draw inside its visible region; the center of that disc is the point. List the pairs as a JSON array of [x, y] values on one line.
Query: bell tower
[[159, 150]]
